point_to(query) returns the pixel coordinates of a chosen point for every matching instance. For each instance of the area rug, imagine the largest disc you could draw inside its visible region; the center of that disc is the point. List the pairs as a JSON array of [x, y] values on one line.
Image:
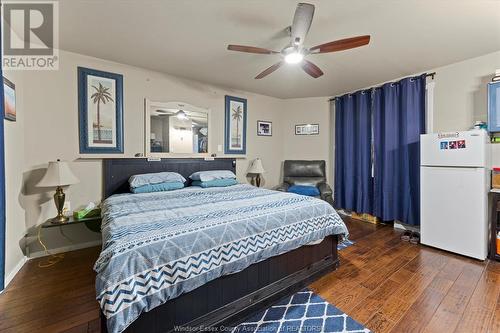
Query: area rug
[[302, 312], [344, 244]]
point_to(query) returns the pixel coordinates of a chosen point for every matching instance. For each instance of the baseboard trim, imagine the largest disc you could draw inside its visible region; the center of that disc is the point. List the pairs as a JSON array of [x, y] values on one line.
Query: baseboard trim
[[73, 247], [13, 273]]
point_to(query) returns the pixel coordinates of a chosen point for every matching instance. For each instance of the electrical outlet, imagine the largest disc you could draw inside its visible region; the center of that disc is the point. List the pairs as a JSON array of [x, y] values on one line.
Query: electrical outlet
[[219, 148], [67, 208]]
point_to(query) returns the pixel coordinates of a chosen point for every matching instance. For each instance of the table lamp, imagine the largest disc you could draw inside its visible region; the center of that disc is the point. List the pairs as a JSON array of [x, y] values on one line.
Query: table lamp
[[58, 174], [257, 169]]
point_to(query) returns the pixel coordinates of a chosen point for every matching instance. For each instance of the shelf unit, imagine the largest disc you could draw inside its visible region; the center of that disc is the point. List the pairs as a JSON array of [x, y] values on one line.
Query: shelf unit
[[93, 223], [494, 223]]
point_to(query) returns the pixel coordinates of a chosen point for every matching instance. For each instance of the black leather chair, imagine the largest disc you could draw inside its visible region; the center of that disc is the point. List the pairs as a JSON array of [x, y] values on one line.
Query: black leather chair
[[310, 173]]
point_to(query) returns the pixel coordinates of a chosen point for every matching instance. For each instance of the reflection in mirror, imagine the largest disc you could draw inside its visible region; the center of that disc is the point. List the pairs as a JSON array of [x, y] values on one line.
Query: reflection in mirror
[[178, 128]]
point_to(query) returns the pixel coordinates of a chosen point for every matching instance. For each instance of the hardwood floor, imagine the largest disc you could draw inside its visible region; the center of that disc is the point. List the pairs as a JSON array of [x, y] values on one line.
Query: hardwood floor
[[384, 283], [60, 298], [393, 286]]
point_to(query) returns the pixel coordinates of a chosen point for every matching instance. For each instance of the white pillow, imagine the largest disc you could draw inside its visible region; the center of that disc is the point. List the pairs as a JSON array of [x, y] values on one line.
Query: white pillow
[[155, 178], [206, 176]]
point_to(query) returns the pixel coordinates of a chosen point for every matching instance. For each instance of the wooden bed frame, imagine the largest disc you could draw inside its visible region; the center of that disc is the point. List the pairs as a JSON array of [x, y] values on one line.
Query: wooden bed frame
[[225, 301]]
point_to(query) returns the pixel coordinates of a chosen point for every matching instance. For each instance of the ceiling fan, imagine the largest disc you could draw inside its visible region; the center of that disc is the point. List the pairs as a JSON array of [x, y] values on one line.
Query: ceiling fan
[[295, 52]]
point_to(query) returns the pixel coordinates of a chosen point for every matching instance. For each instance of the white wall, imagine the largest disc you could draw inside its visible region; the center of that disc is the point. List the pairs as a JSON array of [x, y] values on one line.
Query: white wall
[[460, 92], [314, 110], [14, 163], [460, 95], [50, 131]]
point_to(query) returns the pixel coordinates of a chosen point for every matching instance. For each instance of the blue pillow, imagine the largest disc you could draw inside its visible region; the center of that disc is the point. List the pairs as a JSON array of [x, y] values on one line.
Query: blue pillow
[[205, 176], [155, 178], [160, 187], [311, 191], [215, 183]]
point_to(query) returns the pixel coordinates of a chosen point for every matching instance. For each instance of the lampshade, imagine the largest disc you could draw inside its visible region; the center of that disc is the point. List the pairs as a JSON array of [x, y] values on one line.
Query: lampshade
[[256, 167], [58, 174]]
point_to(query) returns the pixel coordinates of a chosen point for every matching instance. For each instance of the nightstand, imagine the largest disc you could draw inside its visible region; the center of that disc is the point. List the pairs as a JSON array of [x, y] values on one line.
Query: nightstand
[[92, 223]]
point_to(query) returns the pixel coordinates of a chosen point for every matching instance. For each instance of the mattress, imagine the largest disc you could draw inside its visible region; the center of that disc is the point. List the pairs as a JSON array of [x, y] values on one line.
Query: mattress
[[157, 246]]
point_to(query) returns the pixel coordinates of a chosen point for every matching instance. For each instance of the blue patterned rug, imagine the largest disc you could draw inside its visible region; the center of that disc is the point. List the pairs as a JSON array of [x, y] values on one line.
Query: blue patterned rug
[[344, 244], [302, 312]]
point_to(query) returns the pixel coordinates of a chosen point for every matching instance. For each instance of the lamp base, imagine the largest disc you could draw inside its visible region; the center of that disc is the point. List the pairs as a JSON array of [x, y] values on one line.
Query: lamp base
[[59, 219], [59, 198], [257, 180]]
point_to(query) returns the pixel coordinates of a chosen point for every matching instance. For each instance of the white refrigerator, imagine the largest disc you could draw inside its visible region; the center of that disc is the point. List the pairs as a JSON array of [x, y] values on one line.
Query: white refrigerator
[[455, 180]]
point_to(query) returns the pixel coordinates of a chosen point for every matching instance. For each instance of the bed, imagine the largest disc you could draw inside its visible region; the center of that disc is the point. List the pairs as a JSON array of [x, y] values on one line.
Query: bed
[[198, 258]]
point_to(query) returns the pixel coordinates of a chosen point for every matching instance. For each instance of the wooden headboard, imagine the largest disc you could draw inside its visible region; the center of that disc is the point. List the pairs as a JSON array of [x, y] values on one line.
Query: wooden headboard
[[117, 171]]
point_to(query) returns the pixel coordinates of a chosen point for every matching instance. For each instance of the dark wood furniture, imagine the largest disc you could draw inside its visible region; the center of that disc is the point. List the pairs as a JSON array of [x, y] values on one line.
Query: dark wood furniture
[[494, 223], [228, 299]]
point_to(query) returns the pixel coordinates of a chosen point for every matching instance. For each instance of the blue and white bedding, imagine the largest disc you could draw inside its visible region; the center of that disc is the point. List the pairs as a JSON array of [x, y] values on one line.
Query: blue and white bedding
[[157, 246]]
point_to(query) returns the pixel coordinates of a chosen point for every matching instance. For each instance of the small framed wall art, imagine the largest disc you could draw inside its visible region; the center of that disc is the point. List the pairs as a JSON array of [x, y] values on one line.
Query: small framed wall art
[[307, 129], [100, 108], [264, 128], [235, 133], [9, 93], [494, 107]]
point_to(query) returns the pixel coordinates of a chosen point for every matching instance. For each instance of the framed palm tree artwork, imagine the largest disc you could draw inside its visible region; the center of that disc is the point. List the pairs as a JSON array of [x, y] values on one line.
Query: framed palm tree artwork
[[235, 126], [100, 108]]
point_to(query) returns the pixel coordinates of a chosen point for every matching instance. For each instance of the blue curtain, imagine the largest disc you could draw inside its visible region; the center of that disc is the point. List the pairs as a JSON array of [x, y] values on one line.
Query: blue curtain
[[399, 119], [2, 180], [353, 182]]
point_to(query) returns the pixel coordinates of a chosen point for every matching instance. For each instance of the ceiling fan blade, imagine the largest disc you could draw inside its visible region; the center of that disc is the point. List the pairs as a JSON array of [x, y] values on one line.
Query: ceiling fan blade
[[269, 70], [311, 69], [250, 49], [301, 22], [341, 44]]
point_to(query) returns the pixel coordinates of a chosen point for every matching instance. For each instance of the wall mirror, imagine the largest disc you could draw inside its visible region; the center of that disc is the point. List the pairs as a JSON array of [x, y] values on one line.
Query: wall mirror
[[174, 128]]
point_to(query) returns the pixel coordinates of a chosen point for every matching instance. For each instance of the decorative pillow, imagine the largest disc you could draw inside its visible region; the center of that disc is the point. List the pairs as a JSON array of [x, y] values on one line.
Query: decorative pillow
[[160, 187], [215, 183], [155, 178], [205, 176], [311, 191]]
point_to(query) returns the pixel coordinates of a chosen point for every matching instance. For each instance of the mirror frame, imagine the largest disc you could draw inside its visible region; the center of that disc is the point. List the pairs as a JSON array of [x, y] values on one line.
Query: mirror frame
[[148, 104]]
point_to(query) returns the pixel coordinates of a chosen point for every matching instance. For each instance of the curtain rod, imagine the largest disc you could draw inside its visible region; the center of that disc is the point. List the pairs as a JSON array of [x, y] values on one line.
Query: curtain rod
[[426, 75]]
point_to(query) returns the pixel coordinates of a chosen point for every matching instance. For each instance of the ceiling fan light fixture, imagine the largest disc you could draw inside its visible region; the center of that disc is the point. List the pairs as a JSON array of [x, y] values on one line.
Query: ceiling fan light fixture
[[295, 51], [294, 57], [181, 115]]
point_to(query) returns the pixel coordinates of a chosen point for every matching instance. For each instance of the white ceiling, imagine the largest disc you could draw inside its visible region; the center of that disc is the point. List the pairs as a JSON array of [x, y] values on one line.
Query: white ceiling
[[188, 38]]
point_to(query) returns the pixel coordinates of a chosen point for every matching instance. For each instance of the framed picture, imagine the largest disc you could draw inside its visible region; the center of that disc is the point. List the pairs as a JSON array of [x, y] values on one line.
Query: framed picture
[[264, 128], [307, 129], [9, 95], [100, 107], [494, 107], [235, 133]]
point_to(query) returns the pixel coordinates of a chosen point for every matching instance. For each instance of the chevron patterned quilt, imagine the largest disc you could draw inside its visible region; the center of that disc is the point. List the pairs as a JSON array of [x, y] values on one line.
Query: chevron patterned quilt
[[157, 246]]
